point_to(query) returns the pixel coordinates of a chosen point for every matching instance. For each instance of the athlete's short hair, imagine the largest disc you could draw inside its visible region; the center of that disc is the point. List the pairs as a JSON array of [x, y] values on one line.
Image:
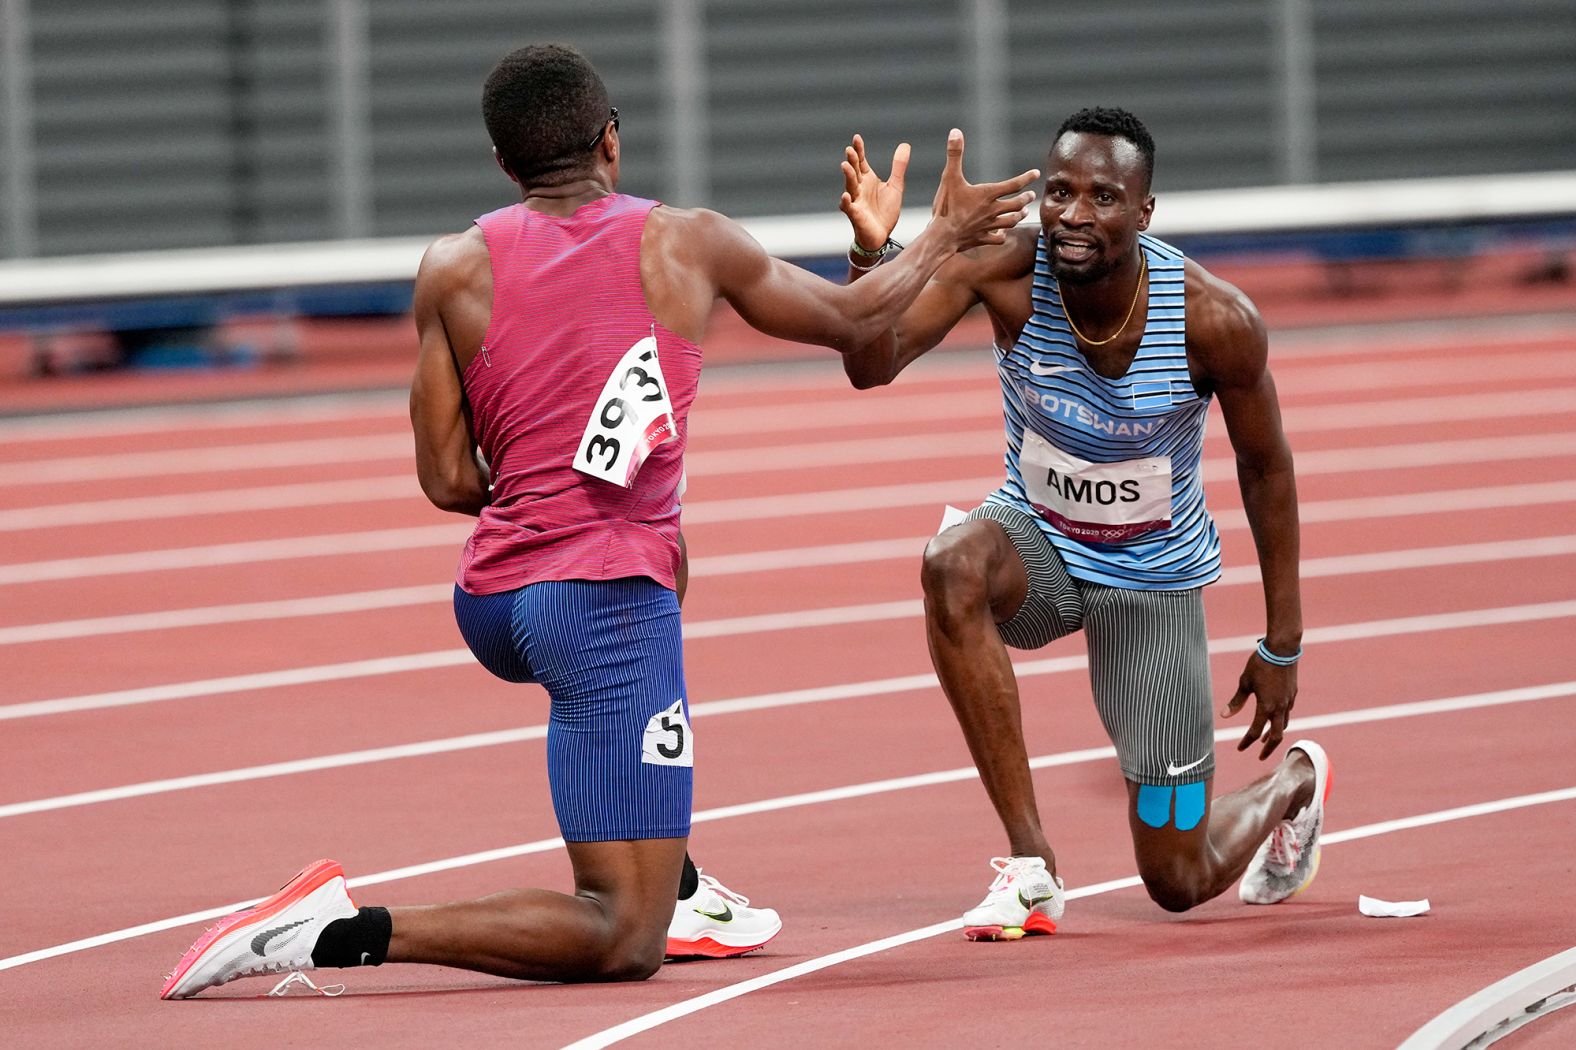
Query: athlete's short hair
[[1098, 120], [543, 105]]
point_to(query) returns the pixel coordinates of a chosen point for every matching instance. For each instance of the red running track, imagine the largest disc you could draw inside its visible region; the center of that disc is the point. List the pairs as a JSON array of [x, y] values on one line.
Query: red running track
[[1438, 477]]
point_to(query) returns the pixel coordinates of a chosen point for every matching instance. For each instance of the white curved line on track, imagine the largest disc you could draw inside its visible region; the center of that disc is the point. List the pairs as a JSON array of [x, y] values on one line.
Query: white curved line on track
[[1502, 1007], [646, 1022], [1324, 511], [757, 508], [877, 787]]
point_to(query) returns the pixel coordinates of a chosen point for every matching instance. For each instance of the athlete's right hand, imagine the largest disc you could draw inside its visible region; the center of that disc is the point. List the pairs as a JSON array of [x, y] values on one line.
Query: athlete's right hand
[[978, 214], [871, 203]]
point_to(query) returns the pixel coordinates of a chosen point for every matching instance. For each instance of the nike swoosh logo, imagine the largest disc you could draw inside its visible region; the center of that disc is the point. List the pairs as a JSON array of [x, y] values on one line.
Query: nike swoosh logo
[[725, 915], [1029, 902], [1051, 370], [260, 942], [1176, 771]]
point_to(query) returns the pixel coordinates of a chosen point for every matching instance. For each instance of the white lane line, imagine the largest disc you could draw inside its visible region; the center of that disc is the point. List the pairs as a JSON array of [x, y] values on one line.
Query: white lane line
[[396, 597], [259, 455], [1426, 337], [843, 452], [1409, 504], [1325, 511], [906, 683], [240, 612], [244, 553], [758, 508], [824, 376], [504, 737], [1291, 349], [1362, 415], [422, 536], [214, 416], [656, 1018], [1552, 363], [215, 501], [1341, 565], [379, 666], [1428, 557], [1326, 461], [763, 806], [370, 448]]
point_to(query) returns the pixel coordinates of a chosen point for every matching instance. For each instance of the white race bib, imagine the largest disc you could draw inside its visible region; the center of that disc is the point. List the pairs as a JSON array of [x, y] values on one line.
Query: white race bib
[[668, 740], [1096, 502], [632, 416]]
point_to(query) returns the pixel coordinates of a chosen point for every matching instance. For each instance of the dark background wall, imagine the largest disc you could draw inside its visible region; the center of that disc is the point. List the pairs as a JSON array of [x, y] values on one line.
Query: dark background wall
[[209, 122]]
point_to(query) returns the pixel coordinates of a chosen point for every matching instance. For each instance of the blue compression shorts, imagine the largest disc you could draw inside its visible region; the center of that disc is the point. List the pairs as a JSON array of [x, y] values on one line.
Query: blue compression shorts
[[620, 755]]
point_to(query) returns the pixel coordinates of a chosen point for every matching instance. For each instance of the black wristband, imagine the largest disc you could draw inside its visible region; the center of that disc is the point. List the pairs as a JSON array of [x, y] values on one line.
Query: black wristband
[[855, 248]]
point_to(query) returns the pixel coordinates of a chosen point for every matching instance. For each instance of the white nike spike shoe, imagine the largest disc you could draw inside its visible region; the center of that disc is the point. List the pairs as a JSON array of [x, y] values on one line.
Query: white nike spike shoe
[[273, 936], [716, 923], [1288, 860], [1024, 899]]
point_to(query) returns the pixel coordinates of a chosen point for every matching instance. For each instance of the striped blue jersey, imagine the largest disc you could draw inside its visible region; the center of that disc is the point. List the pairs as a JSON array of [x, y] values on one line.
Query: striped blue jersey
[[1109, 468]]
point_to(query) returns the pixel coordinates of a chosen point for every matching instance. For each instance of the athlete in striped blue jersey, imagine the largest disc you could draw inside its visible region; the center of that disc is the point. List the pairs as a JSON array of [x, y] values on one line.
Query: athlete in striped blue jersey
[[1110, 346]]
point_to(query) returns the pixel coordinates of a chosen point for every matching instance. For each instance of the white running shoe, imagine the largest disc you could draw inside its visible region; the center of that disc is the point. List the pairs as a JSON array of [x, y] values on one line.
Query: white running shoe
[[1288, 860], [1024, 898], [716, 923], [271, 937]]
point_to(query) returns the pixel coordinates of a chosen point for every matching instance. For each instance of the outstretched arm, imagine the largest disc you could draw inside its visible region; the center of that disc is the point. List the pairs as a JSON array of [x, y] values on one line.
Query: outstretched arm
[[1239, 372], [873, 205], [783, 300], [446, 461]]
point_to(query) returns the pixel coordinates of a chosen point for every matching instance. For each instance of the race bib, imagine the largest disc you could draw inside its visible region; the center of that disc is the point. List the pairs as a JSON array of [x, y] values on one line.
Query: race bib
[[668, 740], [632, 416], [1096, 502]]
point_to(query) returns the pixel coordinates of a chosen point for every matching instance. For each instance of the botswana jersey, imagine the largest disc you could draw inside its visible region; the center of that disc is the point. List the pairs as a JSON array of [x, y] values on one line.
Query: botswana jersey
[[1110, 468]]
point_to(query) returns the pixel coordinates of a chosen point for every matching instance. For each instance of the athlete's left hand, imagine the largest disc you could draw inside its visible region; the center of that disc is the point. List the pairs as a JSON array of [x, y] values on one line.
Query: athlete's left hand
[[871, 203], [1274, 690]]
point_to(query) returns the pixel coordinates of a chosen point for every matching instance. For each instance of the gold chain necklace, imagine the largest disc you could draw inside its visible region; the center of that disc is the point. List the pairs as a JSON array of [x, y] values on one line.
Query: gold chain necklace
[[1143, 268]]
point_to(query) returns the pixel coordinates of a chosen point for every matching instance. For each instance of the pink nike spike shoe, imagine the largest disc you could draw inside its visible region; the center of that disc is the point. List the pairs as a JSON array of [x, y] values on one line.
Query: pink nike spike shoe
[[273, 936]]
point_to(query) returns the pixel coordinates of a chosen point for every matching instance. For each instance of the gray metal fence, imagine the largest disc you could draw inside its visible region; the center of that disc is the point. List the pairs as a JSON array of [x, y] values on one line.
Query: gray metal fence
[[207, 122]]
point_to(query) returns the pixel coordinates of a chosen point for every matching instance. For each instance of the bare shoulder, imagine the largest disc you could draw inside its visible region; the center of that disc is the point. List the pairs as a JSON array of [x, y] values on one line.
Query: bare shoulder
[[1225, 332], [691, 229], [453, 261]]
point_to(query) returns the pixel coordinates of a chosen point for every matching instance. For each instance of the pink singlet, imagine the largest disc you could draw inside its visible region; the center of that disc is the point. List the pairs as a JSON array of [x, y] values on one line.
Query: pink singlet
[[567, 311]]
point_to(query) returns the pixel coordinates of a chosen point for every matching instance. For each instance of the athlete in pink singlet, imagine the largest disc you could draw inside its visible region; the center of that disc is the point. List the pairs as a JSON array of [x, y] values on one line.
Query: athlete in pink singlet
[[559, 356]]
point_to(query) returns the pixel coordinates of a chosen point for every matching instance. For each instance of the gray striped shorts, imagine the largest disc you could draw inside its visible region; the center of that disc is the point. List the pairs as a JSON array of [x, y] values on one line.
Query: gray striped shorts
[[1148, 656]]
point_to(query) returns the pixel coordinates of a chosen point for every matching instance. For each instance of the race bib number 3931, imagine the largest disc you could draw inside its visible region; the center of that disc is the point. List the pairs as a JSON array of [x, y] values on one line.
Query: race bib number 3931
[[631, 417], [1096, 502]]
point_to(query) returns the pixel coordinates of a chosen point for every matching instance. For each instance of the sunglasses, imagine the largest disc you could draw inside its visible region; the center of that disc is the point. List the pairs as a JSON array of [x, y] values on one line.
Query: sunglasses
[[612, 120]]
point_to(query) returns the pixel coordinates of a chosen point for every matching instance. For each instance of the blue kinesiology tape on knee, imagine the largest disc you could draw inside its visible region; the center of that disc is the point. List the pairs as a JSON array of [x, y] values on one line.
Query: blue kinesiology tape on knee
[[1154, 805], [1190, 805]]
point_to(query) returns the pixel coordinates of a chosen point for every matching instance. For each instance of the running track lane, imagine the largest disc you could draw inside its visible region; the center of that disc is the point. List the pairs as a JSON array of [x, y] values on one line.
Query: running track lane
[[749, 877]]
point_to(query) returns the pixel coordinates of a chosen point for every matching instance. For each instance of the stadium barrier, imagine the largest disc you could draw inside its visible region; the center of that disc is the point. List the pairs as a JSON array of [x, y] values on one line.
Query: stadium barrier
[[194, 291]]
